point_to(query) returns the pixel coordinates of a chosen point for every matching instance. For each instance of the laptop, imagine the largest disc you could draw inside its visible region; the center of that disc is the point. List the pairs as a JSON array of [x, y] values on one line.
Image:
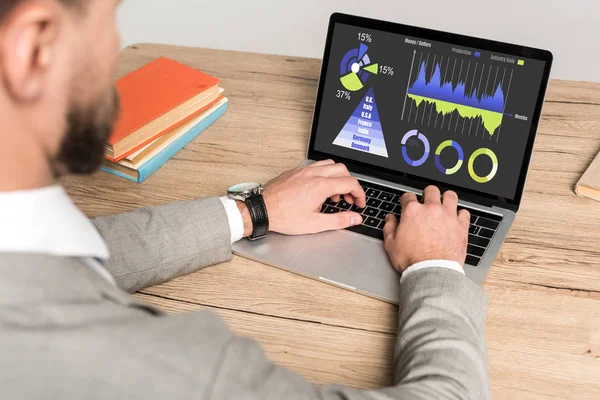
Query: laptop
[[403, 108]]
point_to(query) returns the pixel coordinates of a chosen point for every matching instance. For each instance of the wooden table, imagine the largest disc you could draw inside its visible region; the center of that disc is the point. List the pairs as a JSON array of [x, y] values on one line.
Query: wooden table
[[543, 327]]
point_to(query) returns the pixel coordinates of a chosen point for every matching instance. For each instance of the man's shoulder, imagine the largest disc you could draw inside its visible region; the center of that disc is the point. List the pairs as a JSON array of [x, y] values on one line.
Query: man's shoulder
[[109, 350]]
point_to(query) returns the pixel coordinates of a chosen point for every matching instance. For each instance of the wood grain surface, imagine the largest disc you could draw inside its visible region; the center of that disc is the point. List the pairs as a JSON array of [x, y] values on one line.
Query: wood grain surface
[[543, 327]]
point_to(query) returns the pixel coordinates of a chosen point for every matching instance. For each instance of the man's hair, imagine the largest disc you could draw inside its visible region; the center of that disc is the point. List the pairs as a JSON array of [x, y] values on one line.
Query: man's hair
[[6, 6]]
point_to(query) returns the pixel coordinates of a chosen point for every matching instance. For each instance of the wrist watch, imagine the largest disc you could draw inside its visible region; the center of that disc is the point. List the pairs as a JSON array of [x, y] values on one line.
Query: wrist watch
[[252, 194]]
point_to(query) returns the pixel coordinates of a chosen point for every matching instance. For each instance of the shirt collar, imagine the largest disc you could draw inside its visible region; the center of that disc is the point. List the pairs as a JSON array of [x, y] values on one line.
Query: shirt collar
[[46, 221]]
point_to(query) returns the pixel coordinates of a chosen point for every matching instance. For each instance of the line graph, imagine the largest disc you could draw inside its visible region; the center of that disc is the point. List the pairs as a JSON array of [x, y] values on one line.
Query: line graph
[[465, 96]]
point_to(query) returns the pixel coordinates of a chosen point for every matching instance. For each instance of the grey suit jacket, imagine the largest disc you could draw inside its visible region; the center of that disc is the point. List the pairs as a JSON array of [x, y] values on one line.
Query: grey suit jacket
[[67, 333]]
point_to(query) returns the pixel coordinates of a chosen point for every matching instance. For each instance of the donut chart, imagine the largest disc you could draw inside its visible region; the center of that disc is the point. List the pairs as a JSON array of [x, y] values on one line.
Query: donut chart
[[459, 163], [415, 133], [493, 158]]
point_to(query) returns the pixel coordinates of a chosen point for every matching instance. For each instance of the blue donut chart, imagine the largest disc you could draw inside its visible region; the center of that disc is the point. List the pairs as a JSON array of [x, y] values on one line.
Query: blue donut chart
[[415, 133], [459, 162]]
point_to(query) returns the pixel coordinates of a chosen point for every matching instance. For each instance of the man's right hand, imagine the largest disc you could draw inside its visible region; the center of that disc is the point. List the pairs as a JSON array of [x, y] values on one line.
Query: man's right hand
[[429, 231]]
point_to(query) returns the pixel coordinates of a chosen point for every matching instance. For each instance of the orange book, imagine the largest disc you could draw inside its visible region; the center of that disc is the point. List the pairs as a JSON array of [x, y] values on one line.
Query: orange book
[[155, 99], [147, 152]]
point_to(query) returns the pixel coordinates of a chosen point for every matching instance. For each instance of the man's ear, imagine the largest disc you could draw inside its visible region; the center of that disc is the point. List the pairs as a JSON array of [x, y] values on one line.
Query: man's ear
[[27, 41]]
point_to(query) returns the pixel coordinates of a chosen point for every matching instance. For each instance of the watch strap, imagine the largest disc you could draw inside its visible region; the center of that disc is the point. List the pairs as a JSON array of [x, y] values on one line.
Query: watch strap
[[258, 213]]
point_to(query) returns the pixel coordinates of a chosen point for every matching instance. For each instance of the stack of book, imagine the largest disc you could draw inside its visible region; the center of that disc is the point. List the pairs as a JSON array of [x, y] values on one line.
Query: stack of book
[[589, 184], [164, 106]]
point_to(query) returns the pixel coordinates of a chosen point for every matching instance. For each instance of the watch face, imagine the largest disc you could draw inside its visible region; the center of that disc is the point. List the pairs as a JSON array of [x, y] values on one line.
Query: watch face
[[244, 187], [243, 190]]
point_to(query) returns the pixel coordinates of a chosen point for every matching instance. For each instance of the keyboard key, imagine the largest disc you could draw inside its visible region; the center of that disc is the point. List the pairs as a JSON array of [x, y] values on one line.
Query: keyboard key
[[488, 233], [323, 207], [373, 193], [346, 206], [479, 241], [330, 202], [357, 209], [331, 210], [474, 230], [381, 224], [387, 206], [473, 218], [372, 202], [475, 251], [367, 231], [370, 221], [397, 210], [370, 212], [487, 223], [386, 196], [396, 199], [472, 260], [382, 214]]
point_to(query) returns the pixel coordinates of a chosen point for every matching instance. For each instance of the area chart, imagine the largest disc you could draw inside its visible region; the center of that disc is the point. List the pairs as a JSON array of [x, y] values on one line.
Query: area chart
[[476, 96]]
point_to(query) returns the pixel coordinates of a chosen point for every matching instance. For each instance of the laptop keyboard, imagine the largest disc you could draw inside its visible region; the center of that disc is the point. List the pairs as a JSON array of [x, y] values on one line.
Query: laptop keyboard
[[383, 200]]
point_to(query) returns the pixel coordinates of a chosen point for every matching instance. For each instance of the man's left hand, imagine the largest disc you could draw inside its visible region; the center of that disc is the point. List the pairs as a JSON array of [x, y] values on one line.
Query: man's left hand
[[294, 200]]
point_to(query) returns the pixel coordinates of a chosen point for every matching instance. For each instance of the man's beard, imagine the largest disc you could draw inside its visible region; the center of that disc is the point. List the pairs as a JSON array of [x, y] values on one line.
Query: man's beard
[[88, 130]]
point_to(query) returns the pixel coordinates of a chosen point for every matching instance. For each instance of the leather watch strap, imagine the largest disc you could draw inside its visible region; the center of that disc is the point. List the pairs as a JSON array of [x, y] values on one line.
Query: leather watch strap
[[258, 213]]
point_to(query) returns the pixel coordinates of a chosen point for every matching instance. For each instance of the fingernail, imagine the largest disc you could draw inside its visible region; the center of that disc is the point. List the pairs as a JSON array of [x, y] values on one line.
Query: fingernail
[[355, 221]]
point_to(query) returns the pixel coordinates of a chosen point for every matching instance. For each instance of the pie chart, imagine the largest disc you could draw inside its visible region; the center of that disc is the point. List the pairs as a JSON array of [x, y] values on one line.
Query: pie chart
[[356, 67]]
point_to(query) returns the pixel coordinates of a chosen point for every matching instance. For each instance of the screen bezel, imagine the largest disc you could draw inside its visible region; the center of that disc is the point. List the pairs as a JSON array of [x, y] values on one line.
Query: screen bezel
[[451, 38]]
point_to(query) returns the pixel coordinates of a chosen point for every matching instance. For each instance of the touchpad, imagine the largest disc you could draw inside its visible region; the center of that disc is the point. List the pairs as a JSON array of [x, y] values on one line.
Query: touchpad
[[342, 258], [351, 261]]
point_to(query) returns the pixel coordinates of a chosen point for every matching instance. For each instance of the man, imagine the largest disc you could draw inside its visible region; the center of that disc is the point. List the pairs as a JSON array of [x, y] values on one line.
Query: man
[[68, 331]]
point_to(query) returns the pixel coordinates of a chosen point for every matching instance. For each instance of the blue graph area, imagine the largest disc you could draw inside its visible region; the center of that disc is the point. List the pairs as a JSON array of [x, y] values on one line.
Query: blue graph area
[[439, 89]]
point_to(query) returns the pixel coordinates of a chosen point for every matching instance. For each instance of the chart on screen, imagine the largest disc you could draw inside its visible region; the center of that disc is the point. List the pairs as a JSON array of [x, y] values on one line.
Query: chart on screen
[[356, 68], [467, 97]]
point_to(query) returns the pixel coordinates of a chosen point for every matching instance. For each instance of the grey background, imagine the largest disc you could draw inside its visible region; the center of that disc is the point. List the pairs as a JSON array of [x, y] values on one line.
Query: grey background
[[390, 94], [570, 29]]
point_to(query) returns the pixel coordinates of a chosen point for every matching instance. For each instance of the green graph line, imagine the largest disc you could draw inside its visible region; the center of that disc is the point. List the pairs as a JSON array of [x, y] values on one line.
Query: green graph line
[[491, 120]]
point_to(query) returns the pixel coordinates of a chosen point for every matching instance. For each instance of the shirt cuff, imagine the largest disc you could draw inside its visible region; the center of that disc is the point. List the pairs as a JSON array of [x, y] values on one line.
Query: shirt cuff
[[453, 265], [234, 216]]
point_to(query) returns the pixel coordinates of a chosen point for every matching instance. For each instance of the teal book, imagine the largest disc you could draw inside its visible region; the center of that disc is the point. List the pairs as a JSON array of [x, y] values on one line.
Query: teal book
[[151, 166]]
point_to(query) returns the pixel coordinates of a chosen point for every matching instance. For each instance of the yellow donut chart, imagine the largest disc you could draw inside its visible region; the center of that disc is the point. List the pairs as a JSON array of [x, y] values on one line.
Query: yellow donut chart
[[492, 174]]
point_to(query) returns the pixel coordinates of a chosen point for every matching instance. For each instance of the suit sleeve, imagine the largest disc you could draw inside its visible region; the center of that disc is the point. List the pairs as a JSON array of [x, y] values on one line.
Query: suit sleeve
[[440, 351], [149, 246]]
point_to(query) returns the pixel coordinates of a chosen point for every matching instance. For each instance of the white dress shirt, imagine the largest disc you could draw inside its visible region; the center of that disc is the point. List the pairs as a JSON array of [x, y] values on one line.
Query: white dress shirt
[[45, 221]]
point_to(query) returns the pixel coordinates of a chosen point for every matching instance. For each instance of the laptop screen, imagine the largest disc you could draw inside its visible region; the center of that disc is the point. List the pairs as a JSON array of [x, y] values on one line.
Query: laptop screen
[[451, 114]]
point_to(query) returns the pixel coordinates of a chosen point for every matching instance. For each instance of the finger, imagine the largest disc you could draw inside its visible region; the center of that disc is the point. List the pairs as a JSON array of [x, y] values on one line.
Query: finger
[[336, 198], [347, 185], [431, 195], [408, 198], [450, 201], [331, 170], [321, 163], [389, 229], [464, 217], [331, 222], [348, 199]]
